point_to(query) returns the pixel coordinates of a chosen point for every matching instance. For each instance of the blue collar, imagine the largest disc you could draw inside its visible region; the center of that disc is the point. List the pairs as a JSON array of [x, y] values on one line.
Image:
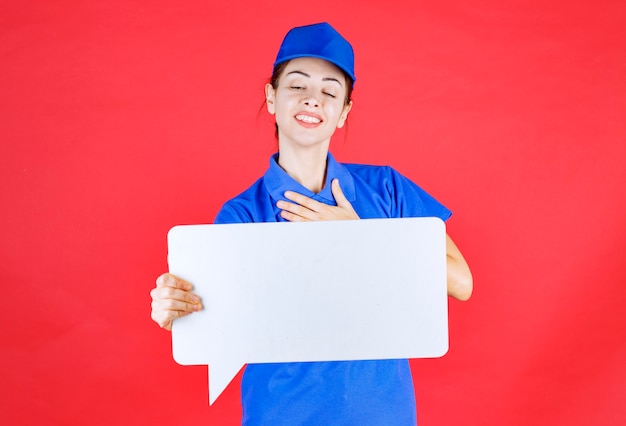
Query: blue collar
[[277, 181]]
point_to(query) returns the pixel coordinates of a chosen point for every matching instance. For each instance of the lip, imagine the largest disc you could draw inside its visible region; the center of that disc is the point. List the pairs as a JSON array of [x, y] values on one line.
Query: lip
[[308, 114]]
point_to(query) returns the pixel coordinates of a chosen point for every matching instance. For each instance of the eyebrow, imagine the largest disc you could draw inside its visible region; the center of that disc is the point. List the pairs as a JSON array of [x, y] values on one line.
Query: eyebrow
[[307, 75]]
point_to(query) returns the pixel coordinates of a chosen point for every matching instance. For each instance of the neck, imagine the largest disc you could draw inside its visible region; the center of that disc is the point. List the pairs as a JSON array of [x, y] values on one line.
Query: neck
[[307, 166]]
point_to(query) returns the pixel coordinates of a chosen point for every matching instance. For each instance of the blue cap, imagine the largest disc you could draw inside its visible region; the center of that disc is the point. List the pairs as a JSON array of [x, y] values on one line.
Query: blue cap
[[318, 41]]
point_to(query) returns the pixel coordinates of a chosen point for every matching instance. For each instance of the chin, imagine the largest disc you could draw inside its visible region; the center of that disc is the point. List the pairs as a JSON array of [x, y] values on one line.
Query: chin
[[306, 140]]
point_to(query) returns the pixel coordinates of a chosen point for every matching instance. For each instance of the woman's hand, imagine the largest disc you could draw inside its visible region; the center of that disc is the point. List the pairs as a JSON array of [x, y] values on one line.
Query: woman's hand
[[171, 299], [304, 208]]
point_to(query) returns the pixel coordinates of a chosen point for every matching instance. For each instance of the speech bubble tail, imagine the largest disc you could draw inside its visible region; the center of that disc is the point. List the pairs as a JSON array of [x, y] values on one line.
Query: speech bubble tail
[[220, 375]]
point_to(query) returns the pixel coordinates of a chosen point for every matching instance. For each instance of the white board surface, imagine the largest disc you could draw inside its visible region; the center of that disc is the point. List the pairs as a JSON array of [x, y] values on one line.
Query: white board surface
[[313, 291]]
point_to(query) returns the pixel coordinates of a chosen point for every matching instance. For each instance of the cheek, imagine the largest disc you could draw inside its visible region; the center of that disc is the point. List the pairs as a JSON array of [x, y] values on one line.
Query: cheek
[[284, 103], [334, 112], [282, 113], [281, 107]]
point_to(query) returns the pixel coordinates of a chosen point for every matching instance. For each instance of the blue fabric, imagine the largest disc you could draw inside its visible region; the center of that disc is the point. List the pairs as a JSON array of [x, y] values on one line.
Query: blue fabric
[[318, 41], [331, 393]]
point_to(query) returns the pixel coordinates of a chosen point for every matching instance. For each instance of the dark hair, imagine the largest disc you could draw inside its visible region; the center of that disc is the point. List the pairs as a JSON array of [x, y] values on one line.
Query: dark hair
[[278, 71]]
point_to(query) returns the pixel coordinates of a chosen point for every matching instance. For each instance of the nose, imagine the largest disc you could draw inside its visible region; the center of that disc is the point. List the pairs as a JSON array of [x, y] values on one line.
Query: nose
[[311, 100]]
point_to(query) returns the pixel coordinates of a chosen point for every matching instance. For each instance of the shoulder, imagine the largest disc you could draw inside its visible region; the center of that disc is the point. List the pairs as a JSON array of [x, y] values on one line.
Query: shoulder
[[401, 196], [369, 171], [366, 168], [375, 175], [242, 208]]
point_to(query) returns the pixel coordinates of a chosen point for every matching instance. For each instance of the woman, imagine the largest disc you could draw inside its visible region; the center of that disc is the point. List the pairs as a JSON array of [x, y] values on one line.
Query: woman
[[309, 94]]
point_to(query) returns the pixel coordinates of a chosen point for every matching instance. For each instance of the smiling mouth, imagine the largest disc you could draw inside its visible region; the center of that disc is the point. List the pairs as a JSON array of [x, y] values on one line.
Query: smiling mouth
[[308, 119]]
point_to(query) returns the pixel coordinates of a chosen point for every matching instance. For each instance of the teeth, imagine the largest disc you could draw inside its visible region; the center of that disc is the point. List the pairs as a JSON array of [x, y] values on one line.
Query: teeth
[[308, 119]]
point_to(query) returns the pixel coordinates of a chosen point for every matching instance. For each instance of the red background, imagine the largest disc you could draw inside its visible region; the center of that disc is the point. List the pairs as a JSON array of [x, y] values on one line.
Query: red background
[[120, 119]]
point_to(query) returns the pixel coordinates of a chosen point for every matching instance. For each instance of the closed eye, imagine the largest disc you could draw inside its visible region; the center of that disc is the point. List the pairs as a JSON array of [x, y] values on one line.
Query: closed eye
[[329, 94]]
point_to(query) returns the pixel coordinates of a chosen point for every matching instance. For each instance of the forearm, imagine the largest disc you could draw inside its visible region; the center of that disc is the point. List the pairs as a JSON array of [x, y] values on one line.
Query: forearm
[[459, 276]]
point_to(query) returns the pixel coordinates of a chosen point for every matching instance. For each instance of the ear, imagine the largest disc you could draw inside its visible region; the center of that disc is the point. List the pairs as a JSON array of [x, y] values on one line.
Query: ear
[[344, 115], [270, 96]]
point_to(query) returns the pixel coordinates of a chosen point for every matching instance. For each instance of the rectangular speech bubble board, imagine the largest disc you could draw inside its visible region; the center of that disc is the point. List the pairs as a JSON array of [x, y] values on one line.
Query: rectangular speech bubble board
[[310, 291]]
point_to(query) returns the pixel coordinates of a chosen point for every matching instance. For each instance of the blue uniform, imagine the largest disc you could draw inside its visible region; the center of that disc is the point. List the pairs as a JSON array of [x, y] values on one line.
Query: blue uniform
[[331, 393]]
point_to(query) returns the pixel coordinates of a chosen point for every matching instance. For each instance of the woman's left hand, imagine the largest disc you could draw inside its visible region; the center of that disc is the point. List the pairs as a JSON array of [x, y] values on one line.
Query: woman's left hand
[[303, 208]]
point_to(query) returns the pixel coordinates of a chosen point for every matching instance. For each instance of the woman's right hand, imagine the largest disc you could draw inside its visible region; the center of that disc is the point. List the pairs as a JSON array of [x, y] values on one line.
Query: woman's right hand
[[172, 298]]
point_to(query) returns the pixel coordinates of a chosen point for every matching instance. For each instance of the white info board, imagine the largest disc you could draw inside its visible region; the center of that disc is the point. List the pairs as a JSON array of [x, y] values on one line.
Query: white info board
[[310, 291]]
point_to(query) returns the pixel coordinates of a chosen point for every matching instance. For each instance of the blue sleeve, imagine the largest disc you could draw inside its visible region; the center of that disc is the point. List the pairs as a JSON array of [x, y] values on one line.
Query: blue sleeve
[[413, 201], [230, 214]]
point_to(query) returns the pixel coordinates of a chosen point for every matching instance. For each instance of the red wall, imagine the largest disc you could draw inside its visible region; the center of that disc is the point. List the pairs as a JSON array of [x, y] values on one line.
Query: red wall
[[120, 119]]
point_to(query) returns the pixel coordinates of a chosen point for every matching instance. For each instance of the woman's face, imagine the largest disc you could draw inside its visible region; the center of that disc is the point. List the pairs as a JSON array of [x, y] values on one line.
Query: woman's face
[[309, 102]]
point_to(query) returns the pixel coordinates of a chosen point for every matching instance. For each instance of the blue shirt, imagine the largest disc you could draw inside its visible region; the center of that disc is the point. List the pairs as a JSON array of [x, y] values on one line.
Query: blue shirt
[[342, 392]]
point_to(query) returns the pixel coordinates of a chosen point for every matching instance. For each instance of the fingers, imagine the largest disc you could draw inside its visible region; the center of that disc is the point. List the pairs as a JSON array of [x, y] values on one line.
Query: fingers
[[303, 200], [171, 299], [167, 309], [303, 208], [292, 217], [165, 319], [340, 199], [164, 311], [169, 280], [175, 295], [295, 213]]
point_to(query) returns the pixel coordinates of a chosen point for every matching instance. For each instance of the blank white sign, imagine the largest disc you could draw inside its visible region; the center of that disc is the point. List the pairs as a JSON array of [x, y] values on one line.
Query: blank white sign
[[313, 291]]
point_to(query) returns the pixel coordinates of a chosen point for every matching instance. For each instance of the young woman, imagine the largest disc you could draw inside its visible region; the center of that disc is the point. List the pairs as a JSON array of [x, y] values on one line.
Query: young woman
[[309, 94]]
